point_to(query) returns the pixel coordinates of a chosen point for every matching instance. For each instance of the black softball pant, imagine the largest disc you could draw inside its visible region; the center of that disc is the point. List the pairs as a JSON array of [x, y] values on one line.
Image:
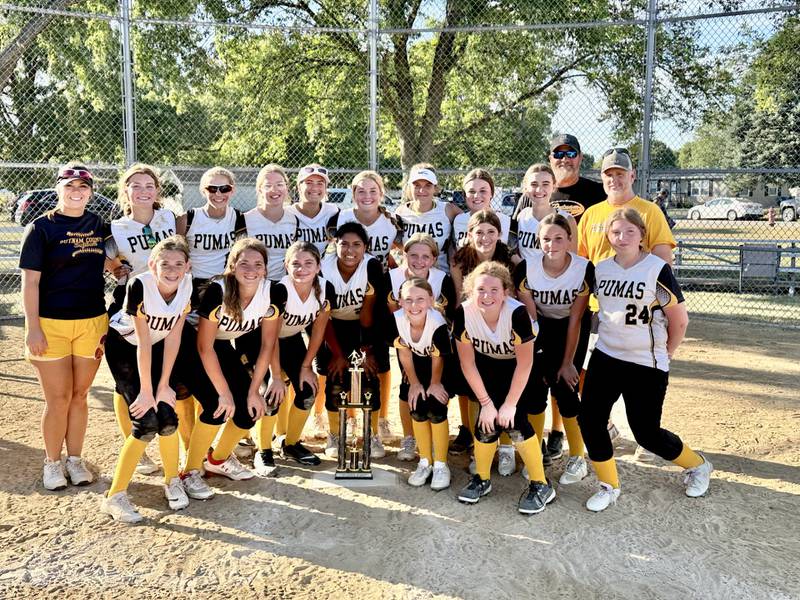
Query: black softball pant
[[497, 375], [124, 366], [642, 388], [428, 408]]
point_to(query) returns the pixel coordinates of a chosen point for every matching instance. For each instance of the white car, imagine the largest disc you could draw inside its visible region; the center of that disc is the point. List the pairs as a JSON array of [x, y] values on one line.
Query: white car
[[726, 208]]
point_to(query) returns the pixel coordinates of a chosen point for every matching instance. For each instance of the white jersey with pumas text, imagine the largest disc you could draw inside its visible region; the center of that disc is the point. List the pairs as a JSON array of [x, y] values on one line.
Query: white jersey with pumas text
[[349, 294], [132, 245], [276, 236], [142, 299], [633, 326], [554, 296], [381, 234], [512, 329], [434, 222], [460, 228], [298, 315], [528, 231], [399, 274], [260, 307], [425, 345], [210, 240], [315, 229]]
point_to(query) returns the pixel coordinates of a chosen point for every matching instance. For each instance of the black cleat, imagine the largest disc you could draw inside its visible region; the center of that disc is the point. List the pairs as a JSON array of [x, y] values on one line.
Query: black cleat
[[476, 488], [536, 497], [300, 453], [546, 460], [555, 444], [462, 442]]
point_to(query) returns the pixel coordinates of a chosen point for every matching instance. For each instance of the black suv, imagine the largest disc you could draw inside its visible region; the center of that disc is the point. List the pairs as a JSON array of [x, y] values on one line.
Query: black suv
[[35, 203]]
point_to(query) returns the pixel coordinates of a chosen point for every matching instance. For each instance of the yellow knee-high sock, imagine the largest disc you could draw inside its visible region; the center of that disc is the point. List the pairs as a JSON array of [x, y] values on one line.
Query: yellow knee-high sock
[[282, 425], [466, 414], [537, 422], [530, 451], [122, 414], [297, 420], [688, 458], [505, 439], [473, 408], [186, 417], [319, 400], [441, 436], [169, 445], [574, 437], [333, 422], [266, 426], [373, 421], [607, 472], [484, 453], [203, 435], [231, 435], [405, 418], [132, 451], [385, 380], [424, 436]]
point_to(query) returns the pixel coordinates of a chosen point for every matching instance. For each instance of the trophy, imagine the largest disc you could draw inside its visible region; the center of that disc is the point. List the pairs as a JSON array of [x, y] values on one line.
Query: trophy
[[354, 463]]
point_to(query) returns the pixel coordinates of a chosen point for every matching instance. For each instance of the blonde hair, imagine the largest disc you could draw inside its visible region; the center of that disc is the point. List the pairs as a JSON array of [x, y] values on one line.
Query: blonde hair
[[214, 172], [408, 188], [492, 269], [173, 243], [266, 170], [122, 193], [231, 299], [538, 168], [373, 176], [416, 282], [425, 240], [631, 215], [481, 174]]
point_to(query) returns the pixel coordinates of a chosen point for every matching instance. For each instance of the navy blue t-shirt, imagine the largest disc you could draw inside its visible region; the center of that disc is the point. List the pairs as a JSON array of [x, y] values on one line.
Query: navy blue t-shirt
[[69, 252]]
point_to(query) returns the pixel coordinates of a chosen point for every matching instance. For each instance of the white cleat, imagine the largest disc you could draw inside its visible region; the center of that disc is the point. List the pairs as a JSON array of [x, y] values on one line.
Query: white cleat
[[176, 494], [698, 478], [575, 471], [604, 497]]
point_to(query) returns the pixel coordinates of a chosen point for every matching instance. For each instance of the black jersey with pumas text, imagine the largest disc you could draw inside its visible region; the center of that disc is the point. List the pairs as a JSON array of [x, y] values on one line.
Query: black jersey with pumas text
[[268, 303], [513, 329]]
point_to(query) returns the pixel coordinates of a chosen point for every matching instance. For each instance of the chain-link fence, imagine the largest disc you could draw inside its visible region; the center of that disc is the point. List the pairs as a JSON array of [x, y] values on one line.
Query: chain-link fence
[[704, 94]]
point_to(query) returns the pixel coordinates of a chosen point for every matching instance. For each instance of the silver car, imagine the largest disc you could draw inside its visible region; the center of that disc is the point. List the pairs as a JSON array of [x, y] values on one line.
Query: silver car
[[726, 208]]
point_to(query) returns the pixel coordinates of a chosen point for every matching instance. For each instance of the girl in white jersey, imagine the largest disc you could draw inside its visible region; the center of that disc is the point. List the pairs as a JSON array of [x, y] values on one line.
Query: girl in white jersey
[[423, 212], [270, 222], [384, 232], [242, 300], [554, 284], [133, 237], [419, 258], [211, 230], [141, 349], [315, 215], [494, 338], [478, 187], [357, 279], [309, 300], [422, 338], [642, 322]]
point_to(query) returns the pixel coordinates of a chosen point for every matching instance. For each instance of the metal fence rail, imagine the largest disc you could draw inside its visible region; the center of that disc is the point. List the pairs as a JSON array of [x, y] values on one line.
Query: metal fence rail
[[704, 94]]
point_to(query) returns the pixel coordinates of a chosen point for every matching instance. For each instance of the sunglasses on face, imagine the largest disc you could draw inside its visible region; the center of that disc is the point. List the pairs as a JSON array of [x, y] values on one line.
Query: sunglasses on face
[[557, 154], [147, 232], [314, 170], [611, 151], [222, 189]]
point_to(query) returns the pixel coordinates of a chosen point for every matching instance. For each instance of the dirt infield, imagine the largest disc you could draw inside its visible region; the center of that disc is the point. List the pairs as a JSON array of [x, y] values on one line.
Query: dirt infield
[[734, 394]]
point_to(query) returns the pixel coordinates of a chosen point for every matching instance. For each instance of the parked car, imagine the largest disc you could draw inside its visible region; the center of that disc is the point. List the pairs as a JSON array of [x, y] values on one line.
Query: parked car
[[35, 203], [790, 208], [727, 208], [508, 202], [456, 197]]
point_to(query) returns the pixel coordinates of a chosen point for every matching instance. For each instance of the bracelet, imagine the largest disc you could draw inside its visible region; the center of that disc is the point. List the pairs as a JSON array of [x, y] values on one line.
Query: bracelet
[[305, 366], [485, 401]]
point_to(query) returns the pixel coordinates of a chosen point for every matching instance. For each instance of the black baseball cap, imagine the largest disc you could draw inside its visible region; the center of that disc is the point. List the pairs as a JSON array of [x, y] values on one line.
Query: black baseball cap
[[565, 139]]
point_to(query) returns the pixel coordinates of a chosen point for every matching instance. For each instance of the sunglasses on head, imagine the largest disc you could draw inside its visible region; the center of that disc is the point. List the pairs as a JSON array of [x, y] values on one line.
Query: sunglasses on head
[[565, 154], [147, 232], [313, 170], [620, 150], [222, 189], [72, 173]]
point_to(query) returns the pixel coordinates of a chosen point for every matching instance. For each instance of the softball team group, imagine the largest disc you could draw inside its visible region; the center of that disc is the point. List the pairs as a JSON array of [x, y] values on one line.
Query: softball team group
[[227, 326]]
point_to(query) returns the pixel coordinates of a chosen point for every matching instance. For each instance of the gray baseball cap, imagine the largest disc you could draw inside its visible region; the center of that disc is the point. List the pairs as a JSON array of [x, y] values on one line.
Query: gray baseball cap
[[616, 158], [565, 139]]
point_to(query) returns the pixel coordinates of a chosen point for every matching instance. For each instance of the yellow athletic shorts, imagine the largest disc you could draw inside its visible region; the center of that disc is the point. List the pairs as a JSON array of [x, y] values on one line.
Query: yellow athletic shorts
[[72, 337]]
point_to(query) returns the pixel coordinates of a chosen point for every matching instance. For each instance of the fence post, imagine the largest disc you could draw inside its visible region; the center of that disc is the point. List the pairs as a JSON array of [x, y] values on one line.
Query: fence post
[[650, 52], [373, 85], [128, 115]]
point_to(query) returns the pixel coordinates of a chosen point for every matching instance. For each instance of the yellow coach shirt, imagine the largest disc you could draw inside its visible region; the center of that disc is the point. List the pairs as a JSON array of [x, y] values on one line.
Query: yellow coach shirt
[[592, 240]]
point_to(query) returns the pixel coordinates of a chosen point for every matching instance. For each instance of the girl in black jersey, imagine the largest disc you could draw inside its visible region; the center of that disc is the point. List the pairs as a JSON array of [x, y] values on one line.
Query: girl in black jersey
[[309, 299], [419, 257], [240, 301], [642, 322], [554, 284], [62, 260], [357, 279], [211, 230], [422, 338], [141, 350], [494, 338], [483, 244]]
